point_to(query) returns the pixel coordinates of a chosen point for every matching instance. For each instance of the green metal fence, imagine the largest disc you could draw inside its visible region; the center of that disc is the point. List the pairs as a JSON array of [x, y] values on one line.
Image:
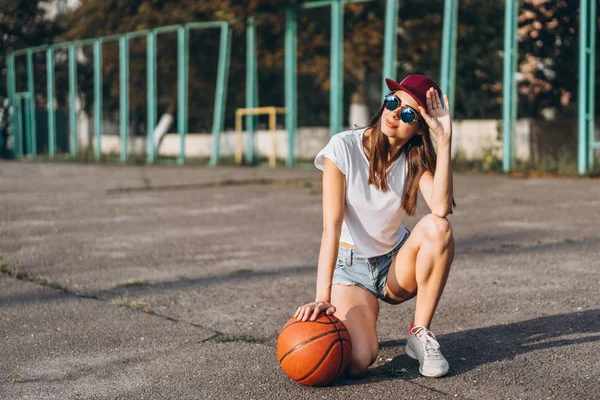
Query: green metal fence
[[587, 58], [336, 67], [20, 130], [16, 99], [336, 76]]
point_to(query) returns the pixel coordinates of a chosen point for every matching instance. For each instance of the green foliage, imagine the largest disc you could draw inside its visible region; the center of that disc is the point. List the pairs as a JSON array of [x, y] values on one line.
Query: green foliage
[[547, 47], [99, 18], [22, 24], [479, 64], [491, 160], [238, 338], [132, 304], [563, 164], [419, 47], [549, 57], [595, 171], [18, 273]]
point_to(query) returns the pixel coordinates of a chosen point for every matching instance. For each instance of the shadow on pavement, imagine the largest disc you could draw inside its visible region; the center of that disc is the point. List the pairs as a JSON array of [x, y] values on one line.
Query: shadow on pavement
[[522, 242], [467, 350]]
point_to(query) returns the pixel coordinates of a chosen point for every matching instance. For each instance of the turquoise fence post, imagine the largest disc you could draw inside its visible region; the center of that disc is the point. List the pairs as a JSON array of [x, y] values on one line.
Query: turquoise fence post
[[221, 92], [124, 95], [27, 133], [582, 117], [182, 84], [97, 98], [448, 69], [507, 89], [389, 43], [593, 145], [251, 86], [50, 85], [336, 93], [151, 99], [182, 72], [446, 46], [514, 69], [12, 110], [31, 126], [19, 127], [291, 93], [9, 110], [452, 90], [72, 99], [27, 118]]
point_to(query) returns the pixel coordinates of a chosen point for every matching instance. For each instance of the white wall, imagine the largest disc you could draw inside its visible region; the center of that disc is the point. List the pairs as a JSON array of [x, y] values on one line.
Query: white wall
[[471, 138], [308, 143]]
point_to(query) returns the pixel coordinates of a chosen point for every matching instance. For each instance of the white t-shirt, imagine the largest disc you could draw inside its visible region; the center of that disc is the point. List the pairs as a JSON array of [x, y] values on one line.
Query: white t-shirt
[[372, 218]]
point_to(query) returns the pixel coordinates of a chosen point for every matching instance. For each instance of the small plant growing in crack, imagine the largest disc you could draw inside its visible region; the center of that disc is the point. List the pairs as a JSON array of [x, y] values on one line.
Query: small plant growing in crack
[[132, 304], [238, 338], [18, 273], [13, 272], [15, 378]]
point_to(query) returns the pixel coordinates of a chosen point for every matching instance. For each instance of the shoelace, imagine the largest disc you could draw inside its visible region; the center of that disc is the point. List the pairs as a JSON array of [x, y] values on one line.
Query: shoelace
[[430, 344]]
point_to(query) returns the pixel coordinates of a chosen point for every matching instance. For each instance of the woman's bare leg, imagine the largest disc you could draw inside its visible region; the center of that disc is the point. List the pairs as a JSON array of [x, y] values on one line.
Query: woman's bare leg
[[358, 310], [422, 266]]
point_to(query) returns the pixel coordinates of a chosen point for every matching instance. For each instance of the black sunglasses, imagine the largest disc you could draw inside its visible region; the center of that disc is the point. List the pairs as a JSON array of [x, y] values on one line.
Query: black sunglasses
[[407, 114]]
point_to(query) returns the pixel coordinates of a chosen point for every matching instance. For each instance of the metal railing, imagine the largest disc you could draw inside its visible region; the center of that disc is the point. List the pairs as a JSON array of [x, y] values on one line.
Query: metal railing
[[123, 41], [586, 142]]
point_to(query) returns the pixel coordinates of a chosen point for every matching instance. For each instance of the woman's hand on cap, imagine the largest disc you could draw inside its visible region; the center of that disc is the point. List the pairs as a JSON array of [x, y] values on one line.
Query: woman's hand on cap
[[436, 116]]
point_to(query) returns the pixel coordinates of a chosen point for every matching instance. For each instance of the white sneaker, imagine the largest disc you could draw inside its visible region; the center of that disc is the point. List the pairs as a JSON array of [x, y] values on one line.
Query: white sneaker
[[422, 345]]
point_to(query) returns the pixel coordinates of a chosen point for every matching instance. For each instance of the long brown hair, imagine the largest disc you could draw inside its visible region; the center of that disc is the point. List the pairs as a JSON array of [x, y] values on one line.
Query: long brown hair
[[420, 155]]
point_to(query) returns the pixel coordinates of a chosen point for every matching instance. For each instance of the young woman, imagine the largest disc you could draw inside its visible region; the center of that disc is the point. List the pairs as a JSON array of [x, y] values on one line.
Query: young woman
[[371, 179]]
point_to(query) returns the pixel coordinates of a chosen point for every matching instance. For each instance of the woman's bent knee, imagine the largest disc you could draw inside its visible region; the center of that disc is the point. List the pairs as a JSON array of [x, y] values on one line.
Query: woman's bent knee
[[437, 228], [356, 371], [357, 368], [359, 363]]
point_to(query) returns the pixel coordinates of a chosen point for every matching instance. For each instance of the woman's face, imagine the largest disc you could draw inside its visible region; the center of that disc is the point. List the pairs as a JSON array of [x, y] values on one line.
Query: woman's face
[[391, 124]]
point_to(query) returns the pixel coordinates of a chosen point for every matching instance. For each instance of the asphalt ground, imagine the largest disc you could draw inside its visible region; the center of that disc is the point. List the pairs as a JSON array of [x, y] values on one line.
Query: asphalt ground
[[131, 282]]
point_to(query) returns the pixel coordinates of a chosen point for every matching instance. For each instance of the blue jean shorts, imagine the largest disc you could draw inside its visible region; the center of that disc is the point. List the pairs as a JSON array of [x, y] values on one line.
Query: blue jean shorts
[[369, 273]]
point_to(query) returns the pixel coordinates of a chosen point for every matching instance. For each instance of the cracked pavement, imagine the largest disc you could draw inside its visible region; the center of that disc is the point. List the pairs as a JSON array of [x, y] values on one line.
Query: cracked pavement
[[164, 282]]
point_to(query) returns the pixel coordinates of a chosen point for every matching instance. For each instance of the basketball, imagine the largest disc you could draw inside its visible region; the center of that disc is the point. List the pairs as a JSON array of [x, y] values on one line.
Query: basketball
[[314, 353]]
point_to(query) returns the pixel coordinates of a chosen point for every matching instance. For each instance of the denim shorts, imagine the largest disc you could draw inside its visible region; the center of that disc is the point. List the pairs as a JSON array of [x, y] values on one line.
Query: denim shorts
[[369, 273]]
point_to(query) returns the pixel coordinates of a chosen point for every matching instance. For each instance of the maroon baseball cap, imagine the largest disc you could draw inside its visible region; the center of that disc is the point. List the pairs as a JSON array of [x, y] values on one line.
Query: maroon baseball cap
[[417, 86]]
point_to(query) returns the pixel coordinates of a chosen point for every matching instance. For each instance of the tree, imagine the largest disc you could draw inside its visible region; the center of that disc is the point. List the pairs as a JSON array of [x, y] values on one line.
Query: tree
[[550, 57], [479, 60], [99, 18], [22, 24]]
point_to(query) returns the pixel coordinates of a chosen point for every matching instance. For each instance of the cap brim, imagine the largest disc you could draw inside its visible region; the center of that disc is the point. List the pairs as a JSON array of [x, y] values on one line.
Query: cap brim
[[393, 86]]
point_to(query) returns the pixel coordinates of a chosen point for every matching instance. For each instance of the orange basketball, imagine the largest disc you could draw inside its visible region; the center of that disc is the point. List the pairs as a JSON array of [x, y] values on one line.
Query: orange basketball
[[316, 352]]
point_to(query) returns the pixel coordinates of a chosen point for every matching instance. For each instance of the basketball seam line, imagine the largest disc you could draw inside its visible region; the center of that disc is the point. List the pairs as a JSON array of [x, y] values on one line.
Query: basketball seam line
[[314, 322], [322, 358], [296, 347], [341, 347]]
